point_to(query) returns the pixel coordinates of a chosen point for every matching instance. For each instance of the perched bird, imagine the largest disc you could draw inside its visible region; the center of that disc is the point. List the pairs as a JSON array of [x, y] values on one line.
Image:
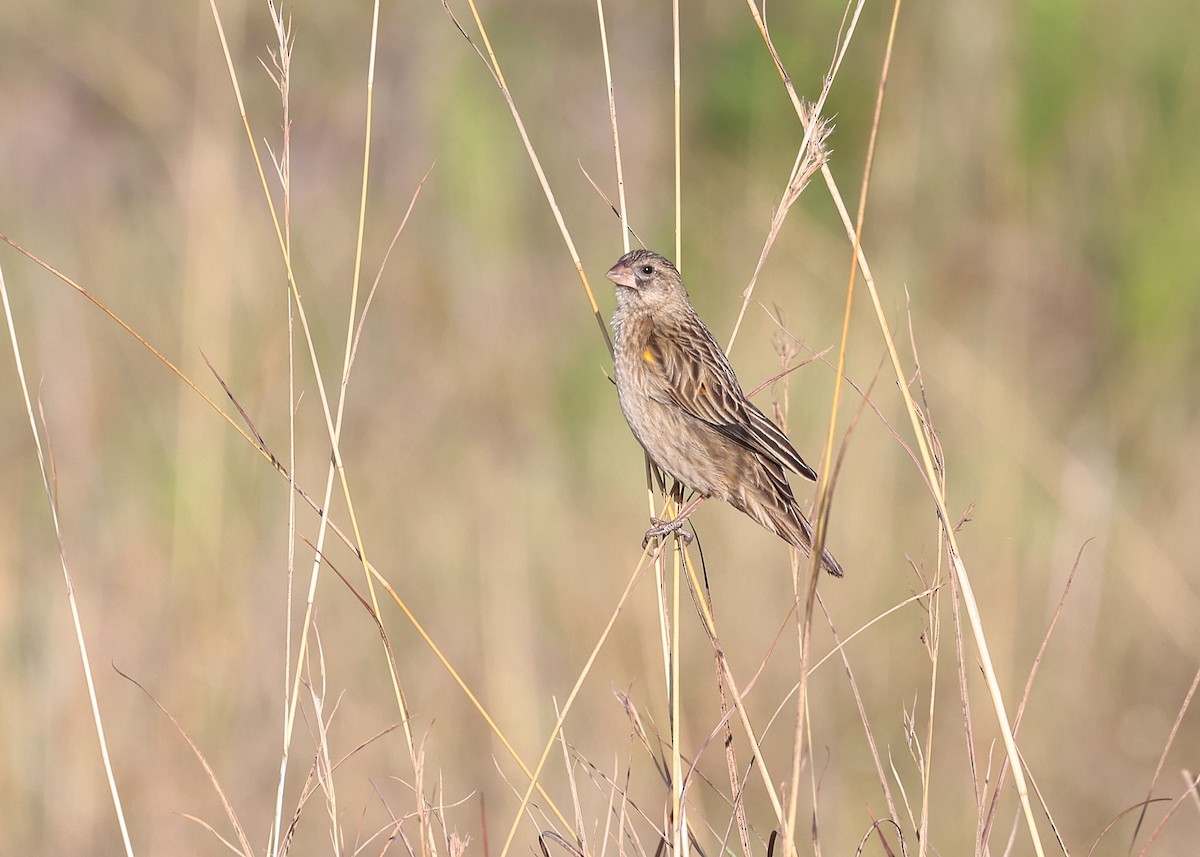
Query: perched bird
[[681, 398]]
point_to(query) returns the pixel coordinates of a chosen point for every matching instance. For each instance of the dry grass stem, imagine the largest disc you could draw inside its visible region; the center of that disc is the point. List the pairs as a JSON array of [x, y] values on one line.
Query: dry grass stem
[[481, 462], [49, 482]]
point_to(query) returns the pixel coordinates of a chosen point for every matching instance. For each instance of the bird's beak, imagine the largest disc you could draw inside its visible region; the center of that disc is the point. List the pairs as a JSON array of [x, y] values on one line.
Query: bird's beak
[[622, 275]]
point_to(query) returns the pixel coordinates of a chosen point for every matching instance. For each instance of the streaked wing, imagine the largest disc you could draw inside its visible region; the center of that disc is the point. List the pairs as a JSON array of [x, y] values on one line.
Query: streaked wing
[[693, 374], [772, 437]]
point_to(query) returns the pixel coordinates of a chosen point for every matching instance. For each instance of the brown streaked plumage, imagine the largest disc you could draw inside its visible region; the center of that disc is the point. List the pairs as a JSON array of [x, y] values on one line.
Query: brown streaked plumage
[[684, 403]]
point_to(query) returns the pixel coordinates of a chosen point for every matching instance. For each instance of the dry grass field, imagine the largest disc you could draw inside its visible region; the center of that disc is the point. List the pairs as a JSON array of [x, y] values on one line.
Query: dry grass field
[[1032, 230]]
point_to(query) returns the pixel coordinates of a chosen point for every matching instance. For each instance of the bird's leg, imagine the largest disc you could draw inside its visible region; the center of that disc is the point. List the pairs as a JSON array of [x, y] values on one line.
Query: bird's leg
[[665, 528]]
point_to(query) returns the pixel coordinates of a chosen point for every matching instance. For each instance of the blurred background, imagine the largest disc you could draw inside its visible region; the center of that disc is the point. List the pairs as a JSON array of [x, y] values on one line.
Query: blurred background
[[1034, 213]]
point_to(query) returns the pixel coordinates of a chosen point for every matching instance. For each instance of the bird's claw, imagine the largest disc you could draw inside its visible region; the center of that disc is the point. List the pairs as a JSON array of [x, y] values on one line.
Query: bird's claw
[[663, 528]]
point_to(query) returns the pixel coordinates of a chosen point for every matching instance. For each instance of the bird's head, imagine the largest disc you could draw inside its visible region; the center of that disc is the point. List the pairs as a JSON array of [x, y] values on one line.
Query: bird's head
[[646, 280]]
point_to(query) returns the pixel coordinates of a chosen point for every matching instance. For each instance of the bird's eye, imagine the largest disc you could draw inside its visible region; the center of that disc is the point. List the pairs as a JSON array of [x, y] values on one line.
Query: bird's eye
[[647, 270]]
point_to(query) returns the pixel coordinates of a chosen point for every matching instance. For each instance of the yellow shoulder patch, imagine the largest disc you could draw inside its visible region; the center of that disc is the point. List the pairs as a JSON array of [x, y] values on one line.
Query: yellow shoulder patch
[[648, 355]]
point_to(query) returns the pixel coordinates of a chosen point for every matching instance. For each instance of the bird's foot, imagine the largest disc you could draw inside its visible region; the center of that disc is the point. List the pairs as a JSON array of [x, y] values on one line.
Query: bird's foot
[[663, 528]]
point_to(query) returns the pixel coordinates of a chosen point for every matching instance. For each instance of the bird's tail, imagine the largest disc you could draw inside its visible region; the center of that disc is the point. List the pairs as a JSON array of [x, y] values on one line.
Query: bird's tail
[[782, 516], [801, 527]]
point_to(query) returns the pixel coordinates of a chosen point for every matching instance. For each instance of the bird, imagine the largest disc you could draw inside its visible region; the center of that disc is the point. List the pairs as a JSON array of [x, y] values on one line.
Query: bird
[[684, 404]]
